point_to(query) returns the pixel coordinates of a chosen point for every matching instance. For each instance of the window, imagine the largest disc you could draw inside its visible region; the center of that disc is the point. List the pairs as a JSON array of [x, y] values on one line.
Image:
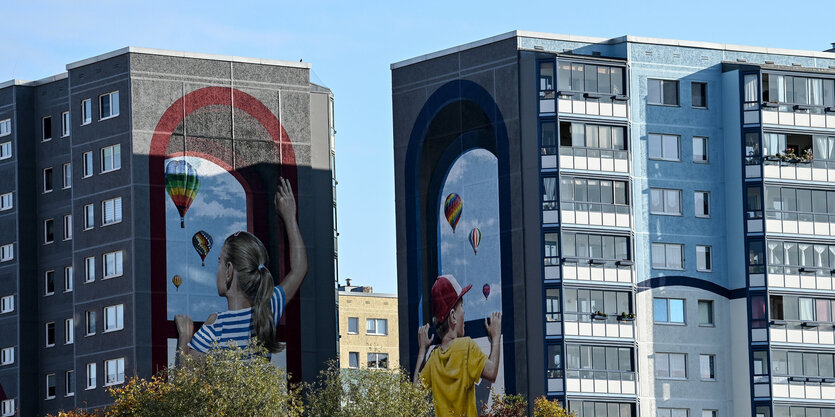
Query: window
[[7, 304], [49, 282], [670, 365], [47, 128], [553, 361], [552, 305], [108, 105], [701, 200], [89, 269], [378, 361], [69, 331], [91, 375], [592, 190], [7, 356], [663, 92], [69, 383], [8, 408], [6, 201], [7, 252], [667, 256], [47, 180], [65, 124], [87, 162], [666, 202], [583, 358], [376, 326], [668, 310], [67, 183], [114, 318], [758, 316], [760, 366], [585, 408], [91, 322], [580, 304], [798, 90], [50, 386], [48, 231], [574, 76], [68, 227], [802, 364], [548, 138], [86, 111], [707, 367], [592, 246], [551, 244], [802, 309], [664, 147], [5, 150], [700, 150], [705, 313], [704, 260], [698, 92], [353, 325], [111, 158], [112, 264], [672, 412], [5, 127], [111, 211], [89, 216], [50, 334], [114, 371], [68, 278], [549, 193], [580, 135], [354, 360]]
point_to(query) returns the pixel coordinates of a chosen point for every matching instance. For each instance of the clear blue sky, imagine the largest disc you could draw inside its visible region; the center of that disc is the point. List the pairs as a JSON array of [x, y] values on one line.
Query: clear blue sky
[[351, 44]]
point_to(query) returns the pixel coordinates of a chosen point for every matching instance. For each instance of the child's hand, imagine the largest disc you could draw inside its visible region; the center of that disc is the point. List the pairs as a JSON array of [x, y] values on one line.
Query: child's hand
[[285, 203], [494, 326], [185, 327], [423, 337]]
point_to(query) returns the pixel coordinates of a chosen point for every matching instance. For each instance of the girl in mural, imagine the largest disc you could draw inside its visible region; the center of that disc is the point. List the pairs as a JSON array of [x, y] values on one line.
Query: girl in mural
[[454, 367], [251, 295]]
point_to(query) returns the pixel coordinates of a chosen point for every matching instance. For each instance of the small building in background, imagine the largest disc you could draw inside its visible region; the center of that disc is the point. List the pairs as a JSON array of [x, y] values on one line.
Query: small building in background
[[368, 328]]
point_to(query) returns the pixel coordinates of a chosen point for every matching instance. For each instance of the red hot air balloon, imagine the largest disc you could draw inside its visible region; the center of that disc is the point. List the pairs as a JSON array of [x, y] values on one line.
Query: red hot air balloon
[[181, 183], [453, 206], [486, 290], [202, 243]]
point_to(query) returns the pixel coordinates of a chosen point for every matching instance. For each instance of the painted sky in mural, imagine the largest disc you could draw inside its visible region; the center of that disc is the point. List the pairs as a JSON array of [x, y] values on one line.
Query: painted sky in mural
[[219, 209], [474, 178]]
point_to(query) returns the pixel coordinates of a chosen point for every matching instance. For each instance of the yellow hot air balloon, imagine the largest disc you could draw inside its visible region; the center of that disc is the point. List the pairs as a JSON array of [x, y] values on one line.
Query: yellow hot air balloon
[[177, 280]]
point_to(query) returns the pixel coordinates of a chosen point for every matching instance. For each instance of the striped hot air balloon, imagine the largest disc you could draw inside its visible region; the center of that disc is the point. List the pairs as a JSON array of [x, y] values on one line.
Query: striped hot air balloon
[[181, 183], [453, 206], [202, 243], [475, 239]]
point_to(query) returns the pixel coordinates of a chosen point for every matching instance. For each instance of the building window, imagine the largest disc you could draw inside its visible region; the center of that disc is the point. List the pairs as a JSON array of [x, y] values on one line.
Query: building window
[[581, 305], [701, 200], [88, 164], [662, 92], [6, 201], [700, 149], [50, 334], [378, 361], [664, 147], [108, 105], [47, 128], [69, 331], [670, 365], [50, 386], [69, 383], [549, 193], [705, 313], [114, 371], [5, 127], [710, 413], [86, 111], [47, 180], [581, 135], [48, 231], [707, 367], [7, 304], [114, 318], [574, 76], [91, 375], [89, 269], [5, 150], [376, 326], [668, 310], [667, 256], [89, 216], [65, 124], [7, 356], [551, 246], [698, 92], [7, 252], [67, 183], [353, 325], [68, 278], [598, 192], [112, 264], [704, 259], [91, 322], [594, 246], [554, 367], [68, 227], [49, 282], [111, 211], [759, 319], [585, 408], [665, 202], [583, 360], [672, 412], [552, 305], [111, 158], [354, 360], [8, 408]]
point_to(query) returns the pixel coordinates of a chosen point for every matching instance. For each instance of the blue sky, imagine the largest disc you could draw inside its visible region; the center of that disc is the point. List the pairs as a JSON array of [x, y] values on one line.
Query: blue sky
[[351, 44]]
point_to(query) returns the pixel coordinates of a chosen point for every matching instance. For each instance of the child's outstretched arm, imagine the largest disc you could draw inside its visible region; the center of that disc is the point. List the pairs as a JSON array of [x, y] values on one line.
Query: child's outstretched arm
[[285, 205], [494, 332], [423, 343]]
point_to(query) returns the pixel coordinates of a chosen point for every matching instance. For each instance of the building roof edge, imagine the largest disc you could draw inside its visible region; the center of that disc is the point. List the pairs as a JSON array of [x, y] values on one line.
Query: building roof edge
[[197, 55]]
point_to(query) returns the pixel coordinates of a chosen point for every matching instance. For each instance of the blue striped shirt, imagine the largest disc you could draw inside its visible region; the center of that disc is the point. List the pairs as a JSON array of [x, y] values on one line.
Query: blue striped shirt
[[235, 326]]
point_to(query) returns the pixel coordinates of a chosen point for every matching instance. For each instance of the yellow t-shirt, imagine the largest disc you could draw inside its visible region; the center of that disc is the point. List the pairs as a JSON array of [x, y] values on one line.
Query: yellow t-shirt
[[451, 375]]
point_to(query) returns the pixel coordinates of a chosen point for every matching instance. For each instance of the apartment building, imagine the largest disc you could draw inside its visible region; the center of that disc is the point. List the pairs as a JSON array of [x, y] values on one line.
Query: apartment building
[[368, 328]]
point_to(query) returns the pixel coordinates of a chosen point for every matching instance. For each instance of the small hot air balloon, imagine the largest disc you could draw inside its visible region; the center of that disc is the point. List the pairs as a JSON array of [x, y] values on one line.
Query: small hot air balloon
[[452, 209], [177, 281], [181, 183], [202, 243], [485, 290], [475, 239]]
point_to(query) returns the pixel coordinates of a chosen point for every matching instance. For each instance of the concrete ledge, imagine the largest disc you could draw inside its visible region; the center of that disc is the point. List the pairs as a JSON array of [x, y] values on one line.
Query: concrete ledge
[[196, 55]]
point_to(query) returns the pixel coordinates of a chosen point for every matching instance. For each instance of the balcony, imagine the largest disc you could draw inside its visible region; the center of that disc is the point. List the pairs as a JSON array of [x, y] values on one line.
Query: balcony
[[797, 331], [597, 270], [597, 214], [600, 382], [592, 104], [603, 160], [801, 278], [589, 325], [798, 115], [799, 387], [800, 223], [554, 378]]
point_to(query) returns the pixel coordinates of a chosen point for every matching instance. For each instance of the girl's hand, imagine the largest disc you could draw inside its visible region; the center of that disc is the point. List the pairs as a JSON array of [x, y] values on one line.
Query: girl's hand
[[285, 203], [185, 327]]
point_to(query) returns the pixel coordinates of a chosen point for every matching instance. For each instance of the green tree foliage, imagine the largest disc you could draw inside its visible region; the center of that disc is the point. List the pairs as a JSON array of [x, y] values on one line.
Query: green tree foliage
[[517, 406], [544, 408]]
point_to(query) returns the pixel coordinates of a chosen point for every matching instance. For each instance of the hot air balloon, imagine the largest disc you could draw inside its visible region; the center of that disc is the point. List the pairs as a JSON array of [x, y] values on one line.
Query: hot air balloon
[[181, 183], [202, 243], [485, 290], [452, 209], [475, 239], [177, 280]]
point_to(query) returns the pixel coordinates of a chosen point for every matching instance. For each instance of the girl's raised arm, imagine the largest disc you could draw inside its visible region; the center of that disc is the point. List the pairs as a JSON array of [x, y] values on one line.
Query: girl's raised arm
[[285, 205]]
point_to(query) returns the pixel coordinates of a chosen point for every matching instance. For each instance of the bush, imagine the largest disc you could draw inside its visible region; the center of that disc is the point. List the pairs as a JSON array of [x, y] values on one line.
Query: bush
[[544, 408], [513, 405]]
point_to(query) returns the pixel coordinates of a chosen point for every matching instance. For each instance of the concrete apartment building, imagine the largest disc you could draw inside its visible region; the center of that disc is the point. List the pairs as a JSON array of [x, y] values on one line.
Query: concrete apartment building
[[656, 217], [100, 249], [368, 329]]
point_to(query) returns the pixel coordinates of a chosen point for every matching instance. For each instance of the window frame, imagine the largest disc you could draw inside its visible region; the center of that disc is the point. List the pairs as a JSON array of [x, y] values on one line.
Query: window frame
[[376, 322], [48, 229], [45, 176], [7, 356], [7, 300], [7, 407], [54, 387], [110, 96], [87, 164], [116, 218], [705, 198], [351, 357], [66, 177], [7, 197], [118, 264], [661, 82], [7, 123], [7, 252], [378, 359], [89, 216], [356, 324], [666, 263], [44, 137], [669, 360], [710, 312], [86, 111], [668, 310], [68, 227], [663, 192], [47, 277], [91, 376], [119, 363], [119, 317], [703, 91], [69, 331], [114, 149], [662, 137], [69, 383], [65, 124], [711, 358], [705, 149], [68, 278], [47, 331], [5, 146], [89, 269], [708, 253], [89, 323]]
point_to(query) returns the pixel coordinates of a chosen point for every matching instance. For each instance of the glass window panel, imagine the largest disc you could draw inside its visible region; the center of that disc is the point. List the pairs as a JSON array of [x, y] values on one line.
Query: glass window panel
[[776, 307], [582, 245], [549, 135], [610, 303], [585, 357], [594, 191], [821, 256], [655, 146], [580, 190], [807, 309], [608, 247], [659, 310], [670, 92], [810, 364], [618, 140], [825, 365], [606, 194], [820, 147], [578, 136], [620, 193], [676, 311], [801, 95], [605, 137], [604, 80], [592, 140], [659, 254], [674, 257], [564, 76], [622, 248], [830, 201], [623, 302], [791, 308], [829, 93], [577, 77], [599, 357], [625, 359], [584, 301], [546, 76], [654, 95], [779, 363], [789, 197], [617, 81], [671, 147], [807, 254], [591, 78], [804, 201], [819, 201], [566, 189], [795, 363], [662, 365], [569, 242], [596, 301], [677, 367]]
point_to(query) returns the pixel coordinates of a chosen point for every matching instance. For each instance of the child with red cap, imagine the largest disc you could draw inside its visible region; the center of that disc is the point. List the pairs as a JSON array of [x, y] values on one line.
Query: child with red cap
[[454, 368]]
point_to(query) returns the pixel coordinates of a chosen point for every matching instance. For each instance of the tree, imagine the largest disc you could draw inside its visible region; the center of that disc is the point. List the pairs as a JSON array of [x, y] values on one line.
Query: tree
[[512, 405], [542, 407]]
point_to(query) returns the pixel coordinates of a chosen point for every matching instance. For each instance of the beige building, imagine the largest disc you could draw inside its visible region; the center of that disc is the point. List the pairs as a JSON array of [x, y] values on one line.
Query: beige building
[[368, 329]]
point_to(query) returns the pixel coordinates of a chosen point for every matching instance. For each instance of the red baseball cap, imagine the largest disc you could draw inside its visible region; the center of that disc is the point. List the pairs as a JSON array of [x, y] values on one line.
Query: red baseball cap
[[446, 291]]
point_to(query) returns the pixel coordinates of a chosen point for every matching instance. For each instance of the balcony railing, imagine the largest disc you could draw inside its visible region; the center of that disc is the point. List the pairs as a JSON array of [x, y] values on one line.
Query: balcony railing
[[600, 382], [596, 104], [800, 223], [802, 331], [597, 270], [798, 115], [802, 387], [591, 159], [823, 171], [596, 214], [588, 324]]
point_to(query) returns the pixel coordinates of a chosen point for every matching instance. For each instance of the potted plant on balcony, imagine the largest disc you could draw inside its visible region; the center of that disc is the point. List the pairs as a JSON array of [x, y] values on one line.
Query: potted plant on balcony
[[599, 315], [624, 316]]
